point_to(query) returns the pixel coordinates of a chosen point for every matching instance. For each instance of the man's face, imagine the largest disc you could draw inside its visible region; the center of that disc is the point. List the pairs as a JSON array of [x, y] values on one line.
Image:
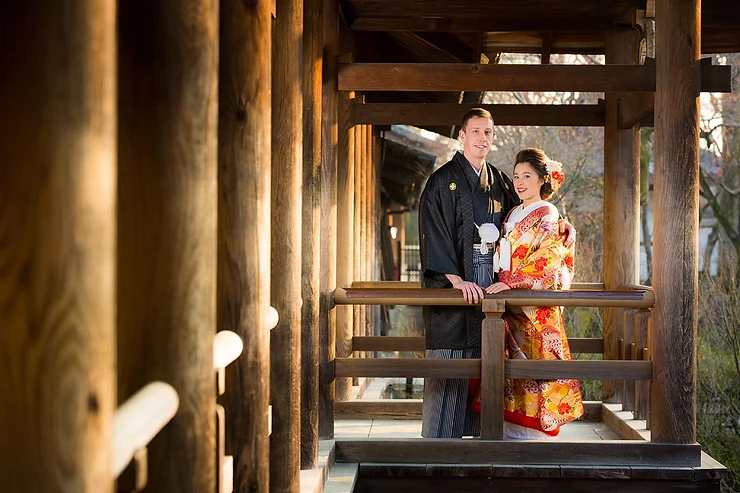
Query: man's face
[[477, 137]]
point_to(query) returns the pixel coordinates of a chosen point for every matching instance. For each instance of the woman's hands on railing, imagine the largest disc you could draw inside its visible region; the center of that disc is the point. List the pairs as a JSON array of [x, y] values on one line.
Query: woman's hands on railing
[[497, 288]]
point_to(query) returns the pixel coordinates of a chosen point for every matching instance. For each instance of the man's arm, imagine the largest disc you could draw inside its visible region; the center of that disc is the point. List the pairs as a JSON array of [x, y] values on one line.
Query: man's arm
[[470, 290]]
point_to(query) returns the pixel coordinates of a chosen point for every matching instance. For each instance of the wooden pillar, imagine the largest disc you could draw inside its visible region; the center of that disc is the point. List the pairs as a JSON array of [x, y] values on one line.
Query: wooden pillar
[[363, 250], [621, 199], [328, 281], [313, 36], [57, 230], [285, 286], [676, 221], [345, 239], [358, 315], [167, 226], [243, 240]]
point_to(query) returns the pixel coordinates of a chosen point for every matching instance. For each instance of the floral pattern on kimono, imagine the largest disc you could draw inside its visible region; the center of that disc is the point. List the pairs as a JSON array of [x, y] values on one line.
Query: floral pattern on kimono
[[539, 260]]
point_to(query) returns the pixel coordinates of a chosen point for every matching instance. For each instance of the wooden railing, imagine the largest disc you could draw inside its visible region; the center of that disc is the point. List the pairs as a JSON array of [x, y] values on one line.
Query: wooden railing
[[633, 367]]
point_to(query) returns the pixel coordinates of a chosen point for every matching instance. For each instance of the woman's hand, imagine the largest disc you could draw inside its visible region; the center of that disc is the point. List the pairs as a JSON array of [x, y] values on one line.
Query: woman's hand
[[567, 228], [497, 288], [472, 293]]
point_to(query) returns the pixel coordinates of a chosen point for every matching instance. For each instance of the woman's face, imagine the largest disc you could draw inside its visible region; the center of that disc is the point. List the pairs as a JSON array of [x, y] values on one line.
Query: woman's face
[[527, 182]]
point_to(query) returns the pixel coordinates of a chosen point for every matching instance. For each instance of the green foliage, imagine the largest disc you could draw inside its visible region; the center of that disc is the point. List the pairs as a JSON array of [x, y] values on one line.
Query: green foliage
[[718, 394]]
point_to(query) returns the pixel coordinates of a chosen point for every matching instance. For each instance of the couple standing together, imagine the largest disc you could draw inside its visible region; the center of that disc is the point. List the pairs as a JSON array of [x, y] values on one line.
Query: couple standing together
[[464, 206]]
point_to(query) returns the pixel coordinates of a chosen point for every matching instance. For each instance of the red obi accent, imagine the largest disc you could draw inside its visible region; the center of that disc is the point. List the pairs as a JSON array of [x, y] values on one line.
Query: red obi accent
[[529, 422]]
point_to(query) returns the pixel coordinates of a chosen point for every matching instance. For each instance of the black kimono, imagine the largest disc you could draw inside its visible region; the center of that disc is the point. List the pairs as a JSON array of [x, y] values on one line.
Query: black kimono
[[451, 205]]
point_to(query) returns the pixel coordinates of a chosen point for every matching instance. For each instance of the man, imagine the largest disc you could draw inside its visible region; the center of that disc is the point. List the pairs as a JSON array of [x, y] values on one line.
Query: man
[[460, 197]]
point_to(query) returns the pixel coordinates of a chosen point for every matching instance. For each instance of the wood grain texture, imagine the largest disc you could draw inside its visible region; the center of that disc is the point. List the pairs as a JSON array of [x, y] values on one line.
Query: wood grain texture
[[311, 226], [328, 273], [345, 239], [676, 222], [167, 210], [243, 294], [398, 343], [378, 409], [57, 245], [643, 322], [452, 451], [494, 77], [492, 372], [585, 115], [621, 198], [514, 297], [285, 275]]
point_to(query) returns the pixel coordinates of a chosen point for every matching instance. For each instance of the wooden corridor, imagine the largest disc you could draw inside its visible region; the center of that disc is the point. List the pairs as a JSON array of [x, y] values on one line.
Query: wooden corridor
[[181, 179]]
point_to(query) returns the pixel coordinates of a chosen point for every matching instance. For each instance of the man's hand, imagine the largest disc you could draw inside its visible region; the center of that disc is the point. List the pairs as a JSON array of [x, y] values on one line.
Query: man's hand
[[497, 288], [472, 293], [567, 228]]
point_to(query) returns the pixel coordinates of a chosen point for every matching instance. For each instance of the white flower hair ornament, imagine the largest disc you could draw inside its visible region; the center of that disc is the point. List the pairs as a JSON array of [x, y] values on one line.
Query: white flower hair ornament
[[555, 171]]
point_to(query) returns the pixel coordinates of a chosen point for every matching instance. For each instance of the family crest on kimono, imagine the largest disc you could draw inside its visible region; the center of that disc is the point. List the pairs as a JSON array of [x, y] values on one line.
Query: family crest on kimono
[[460, 213], [532, 255]]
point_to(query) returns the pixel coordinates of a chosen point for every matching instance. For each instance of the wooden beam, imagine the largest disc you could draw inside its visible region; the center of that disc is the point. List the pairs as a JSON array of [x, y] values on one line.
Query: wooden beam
[[243, 248], [58, 230], [493, 371], [313, 46], [479, 24], [378, 409], [482, 77], [396, 343], [634, 108], [470, 368], [546, 48], [449, 451], [285, 280], [167, 229], [477, 77], [581, 115], [676, 236]]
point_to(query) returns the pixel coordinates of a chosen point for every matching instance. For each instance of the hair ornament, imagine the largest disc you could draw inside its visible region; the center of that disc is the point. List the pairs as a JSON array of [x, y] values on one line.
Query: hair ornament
[[555, 171]]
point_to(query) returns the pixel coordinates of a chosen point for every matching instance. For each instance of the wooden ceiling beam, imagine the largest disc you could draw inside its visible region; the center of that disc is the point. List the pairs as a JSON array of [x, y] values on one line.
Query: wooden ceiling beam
[[477, 77], [582, 115], [634, 108], [481, 24]]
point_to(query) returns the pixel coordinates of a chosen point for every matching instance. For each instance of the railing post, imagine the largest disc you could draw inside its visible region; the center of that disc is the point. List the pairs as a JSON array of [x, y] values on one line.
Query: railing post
[[628, 332], [642, 327], [492, 371]]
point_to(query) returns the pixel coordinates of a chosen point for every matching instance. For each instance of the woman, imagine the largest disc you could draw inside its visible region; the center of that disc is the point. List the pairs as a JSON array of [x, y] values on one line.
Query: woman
[[532, 256]]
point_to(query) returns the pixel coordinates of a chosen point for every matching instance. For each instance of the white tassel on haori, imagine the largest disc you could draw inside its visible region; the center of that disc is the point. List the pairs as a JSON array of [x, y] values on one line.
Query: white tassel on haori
[[488, 233]]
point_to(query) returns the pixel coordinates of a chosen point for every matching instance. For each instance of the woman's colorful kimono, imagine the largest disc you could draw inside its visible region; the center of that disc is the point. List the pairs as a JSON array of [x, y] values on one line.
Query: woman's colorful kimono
[[538, 260]]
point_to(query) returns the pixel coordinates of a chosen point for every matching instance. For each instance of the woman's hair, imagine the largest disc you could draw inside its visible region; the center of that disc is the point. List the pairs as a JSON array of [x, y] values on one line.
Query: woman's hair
[[547, 169]]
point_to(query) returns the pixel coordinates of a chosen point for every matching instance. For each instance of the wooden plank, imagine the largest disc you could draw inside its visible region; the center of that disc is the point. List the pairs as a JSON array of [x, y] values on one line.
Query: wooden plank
[[629, 351], [285, 273], [492, 371], [167, 226], [244, 172], [378, 409], [673, 348], [576, 286], [342, 478], [58, 257], [495, 77], [584, 453], [581, 115], [582, 370], [524, 297], [413, 344], [470, 368], [479, 24], [643, 321]]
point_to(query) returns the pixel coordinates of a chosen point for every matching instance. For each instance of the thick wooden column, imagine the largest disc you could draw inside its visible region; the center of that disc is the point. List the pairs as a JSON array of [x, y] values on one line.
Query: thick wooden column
[[285, 287], [363, 250], [676, 221], [345, 238], [328, 281], [168, 72], [358, 315], [621, 198], [57, 245], [243, 233]]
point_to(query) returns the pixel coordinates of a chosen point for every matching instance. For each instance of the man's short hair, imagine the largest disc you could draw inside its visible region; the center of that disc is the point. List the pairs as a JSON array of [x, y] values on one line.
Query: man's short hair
[[475, 113]]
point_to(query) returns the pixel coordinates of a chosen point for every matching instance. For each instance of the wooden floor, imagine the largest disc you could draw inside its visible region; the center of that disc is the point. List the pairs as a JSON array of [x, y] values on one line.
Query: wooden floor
[[385, 428]]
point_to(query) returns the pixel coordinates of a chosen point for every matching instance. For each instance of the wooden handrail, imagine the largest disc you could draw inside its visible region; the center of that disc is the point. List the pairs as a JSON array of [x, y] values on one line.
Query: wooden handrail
[[577, 286], [140, 419], [227, 346], [514, 297], [471, 368], [401, 344]]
